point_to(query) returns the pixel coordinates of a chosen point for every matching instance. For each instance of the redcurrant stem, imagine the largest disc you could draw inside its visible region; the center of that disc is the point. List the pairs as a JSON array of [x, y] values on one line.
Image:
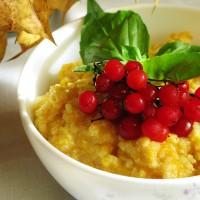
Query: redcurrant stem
[[157, 86], [94, 79], [164, 80], [157, 103], [100, 118], [156, 80]]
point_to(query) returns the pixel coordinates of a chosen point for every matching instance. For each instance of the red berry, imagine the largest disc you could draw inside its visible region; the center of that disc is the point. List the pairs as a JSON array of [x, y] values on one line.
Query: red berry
[[197, 92], [168, 95], [184, 86], [133, 65], [103, 83], [129, 128], [182, 128], [192, 109], [137, 80], [114, 70], [154, 130], [88, 102], [168, 115], [119, 90], [149, 93], [149, 111], [134, 103], [111, 109], [183, 98]]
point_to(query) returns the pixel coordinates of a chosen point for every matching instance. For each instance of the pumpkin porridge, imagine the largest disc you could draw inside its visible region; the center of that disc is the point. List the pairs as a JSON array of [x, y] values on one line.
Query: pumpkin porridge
[[58, 117], [127, 108]]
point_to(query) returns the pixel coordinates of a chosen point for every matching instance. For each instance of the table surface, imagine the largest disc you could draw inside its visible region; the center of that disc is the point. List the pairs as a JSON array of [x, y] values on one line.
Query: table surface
[[22, 176]]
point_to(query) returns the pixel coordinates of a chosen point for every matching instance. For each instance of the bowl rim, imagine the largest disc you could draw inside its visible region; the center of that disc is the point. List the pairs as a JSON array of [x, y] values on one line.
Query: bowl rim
[[27, 122]]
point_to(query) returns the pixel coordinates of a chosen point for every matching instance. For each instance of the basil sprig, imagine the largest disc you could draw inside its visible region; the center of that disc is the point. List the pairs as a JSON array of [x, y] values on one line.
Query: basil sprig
[[178, 47], [173, 66], [123, 35]]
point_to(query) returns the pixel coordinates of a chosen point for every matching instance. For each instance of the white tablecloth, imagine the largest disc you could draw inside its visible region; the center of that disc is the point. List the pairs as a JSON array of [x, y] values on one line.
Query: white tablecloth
[[22, 176]]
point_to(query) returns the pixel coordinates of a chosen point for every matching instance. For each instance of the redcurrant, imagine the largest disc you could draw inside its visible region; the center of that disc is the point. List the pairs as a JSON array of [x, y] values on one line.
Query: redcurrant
[[168, 115], [111, 109], [154, 130], [129, 128], [137, 79], [149, 111], [182, 128], [114, 70], [134, 103], [133, 65], [184, 86], [88, 102], [168, 95], [103, 83], [119, 91], [197, 92], [192, 109], [149, 93]]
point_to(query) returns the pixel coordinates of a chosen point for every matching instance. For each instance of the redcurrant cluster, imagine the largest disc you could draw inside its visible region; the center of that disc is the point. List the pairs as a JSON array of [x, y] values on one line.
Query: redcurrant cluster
[[125, 96]]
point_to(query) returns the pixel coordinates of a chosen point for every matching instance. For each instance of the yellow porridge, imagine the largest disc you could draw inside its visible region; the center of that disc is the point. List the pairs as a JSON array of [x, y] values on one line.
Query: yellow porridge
[[58, 117]]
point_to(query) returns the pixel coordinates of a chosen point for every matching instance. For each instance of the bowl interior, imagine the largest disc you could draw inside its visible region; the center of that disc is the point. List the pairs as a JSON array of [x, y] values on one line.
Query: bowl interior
[[46, 60]]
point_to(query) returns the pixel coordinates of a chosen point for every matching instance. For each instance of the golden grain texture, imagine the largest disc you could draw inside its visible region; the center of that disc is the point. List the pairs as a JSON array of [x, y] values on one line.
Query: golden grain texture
[[58, 118]]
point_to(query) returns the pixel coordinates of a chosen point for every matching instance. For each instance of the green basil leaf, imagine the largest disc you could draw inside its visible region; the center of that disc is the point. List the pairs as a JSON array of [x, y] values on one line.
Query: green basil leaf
[[173, 66], [131, 52], [110, 35], [97, 67], [93, 9], [84, 68], [177, 47]]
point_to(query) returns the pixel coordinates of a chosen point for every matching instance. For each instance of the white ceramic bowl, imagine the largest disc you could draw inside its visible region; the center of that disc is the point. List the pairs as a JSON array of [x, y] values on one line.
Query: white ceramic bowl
[[82, 181]]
